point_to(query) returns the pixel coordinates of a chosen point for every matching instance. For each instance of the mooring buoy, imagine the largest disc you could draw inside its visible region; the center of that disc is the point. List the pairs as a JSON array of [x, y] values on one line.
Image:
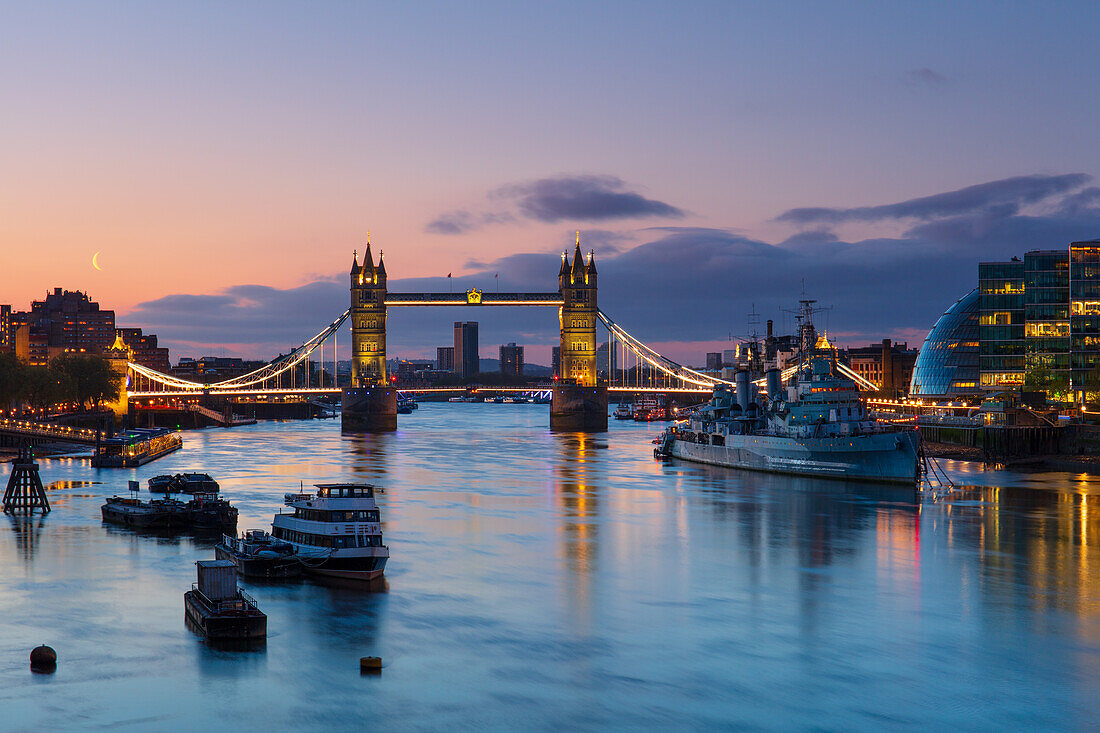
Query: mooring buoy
[[43, 659], [370, 664]]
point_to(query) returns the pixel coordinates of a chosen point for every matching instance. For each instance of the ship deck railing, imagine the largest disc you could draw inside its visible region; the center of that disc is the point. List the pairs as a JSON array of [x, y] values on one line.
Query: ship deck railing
[[242, 602]]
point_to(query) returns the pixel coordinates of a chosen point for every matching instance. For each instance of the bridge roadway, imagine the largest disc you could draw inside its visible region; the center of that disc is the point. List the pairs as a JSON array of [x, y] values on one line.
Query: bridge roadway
[[32, 429], [474, 297], [411, 390]]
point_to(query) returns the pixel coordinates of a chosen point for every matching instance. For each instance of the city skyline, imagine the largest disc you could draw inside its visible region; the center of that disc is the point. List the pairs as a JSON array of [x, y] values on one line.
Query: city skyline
[[225, 179]]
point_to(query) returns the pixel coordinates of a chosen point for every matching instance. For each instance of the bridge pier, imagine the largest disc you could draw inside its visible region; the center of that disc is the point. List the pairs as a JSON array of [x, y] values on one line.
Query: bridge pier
[[579, 409], [368, 409]]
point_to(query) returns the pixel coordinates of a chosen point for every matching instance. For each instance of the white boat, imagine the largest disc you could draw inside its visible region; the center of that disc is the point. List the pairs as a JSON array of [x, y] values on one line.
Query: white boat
[[336, 532]]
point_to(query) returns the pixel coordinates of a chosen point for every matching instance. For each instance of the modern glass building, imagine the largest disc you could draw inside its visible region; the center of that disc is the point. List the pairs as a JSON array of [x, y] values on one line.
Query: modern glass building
[[1001, 324], [1084, 320], [947, 366], [1046, 315]]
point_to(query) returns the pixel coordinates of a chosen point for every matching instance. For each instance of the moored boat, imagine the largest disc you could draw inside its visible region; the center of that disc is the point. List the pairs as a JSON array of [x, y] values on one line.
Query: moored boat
[[259, 555], [815, 425], [156, 514], [218, 609], [208, 513], [336, 532]]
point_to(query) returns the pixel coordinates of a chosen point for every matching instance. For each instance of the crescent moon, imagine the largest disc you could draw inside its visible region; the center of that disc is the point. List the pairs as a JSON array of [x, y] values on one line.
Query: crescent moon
[[95, 262]]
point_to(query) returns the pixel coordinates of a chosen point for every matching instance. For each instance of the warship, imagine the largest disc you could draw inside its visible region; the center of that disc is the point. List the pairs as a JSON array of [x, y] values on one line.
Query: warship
[[813, 423]]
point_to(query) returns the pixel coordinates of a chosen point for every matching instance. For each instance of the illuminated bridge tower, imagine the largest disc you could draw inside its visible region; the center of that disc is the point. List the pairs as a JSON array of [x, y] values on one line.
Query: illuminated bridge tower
[[579, 402], [368, 321], [370, 403]]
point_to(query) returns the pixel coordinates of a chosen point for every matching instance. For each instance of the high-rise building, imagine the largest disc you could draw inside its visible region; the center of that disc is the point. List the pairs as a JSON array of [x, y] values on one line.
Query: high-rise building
[[1084, 319], [1046, 313], [467, 360], [555, 361], [7, 336], [1039, 322], [1001, 324], [714, 360], [511, 360], [445, 358]]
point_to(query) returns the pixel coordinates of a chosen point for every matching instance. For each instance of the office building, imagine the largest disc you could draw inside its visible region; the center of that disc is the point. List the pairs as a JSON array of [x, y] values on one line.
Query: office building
[[445, 358], [144, 349], [1084, 320], [947, 366], [511, 360], [888, 366], [467, 360], [714, 361], [555, 361]]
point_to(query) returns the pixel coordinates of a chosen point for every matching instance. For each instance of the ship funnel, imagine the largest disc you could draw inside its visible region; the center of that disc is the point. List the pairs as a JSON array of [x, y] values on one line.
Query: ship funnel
[[774, 384], [741, 380]]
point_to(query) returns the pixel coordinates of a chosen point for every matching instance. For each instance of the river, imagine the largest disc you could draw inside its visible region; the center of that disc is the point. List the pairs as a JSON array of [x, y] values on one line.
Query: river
[[560, 582]]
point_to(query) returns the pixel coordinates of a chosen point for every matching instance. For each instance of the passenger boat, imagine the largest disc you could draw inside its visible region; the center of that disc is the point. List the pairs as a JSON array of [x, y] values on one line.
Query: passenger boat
[[649, 408], [135, 447], [259, 555], [218, 609], [336, 532], [624, 412]]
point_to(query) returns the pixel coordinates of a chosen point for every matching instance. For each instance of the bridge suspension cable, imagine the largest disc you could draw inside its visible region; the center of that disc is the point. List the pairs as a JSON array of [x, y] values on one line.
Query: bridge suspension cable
[[655, 361], [266, 373]]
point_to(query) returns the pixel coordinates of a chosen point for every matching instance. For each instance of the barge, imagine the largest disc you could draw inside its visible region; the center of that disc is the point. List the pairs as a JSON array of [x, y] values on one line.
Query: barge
[[218, 609], [259, 555]]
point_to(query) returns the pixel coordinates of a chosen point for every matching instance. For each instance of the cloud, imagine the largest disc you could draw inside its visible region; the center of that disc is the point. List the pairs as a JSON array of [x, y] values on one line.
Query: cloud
[[584, 198], [925, 77], [455, 222], [679, 285], [461, 222], [578, 198], [1006, 192]]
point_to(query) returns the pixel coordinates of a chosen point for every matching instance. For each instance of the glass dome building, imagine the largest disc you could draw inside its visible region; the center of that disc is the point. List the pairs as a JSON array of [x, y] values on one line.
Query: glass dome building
[[947, 366]]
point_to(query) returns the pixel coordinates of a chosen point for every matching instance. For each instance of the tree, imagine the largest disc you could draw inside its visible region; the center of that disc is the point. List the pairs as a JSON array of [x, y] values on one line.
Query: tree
[[45, 386], [88, 378], [13, 375]]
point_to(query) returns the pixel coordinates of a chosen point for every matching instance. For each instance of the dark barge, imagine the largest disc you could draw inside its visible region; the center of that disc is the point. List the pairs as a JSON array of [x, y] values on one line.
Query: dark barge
[[220, 611], [259, 555]]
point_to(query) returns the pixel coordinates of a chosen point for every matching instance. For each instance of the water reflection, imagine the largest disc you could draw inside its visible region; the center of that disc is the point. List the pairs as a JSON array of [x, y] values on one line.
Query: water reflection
[[26, 529], [565, 580]]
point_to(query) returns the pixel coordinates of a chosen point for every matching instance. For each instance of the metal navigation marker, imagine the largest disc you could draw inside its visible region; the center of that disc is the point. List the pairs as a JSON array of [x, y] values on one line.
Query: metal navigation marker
[[25, 493]]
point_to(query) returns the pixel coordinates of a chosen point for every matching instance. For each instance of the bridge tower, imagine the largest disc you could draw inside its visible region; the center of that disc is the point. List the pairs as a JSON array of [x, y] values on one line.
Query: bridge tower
[[370, 404], [579, 402], [368, 320]]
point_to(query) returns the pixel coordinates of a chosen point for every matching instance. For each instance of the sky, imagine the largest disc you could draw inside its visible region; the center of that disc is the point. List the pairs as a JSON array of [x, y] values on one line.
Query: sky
[[225, 159]]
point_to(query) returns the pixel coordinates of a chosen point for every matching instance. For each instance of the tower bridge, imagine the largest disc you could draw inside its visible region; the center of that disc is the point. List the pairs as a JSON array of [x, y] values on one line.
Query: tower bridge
[[369, 403]]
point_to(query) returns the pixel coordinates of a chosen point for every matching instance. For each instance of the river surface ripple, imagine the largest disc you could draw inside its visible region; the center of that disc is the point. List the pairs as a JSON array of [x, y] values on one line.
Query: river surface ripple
[[558, 582]]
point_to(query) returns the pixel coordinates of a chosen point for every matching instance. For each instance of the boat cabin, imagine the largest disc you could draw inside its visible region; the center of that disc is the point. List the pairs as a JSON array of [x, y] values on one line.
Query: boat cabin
[[345, 491]]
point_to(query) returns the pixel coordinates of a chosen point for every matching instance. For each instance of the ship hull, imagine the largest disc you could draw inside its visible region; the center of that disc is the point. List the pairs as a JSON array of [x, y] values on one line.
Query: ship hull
[[350, 568], [880, 457]]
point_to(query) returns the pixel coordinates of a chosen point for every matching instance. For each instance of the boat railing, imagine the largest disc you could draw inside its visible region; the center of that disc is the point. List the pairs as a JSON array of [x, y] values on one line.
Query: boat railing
[[239, 603]]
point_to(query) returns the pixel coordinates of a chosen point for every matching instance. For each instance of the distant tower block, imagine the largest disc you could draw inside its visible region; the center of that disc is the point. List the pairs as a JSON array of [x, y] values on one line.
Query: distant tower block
[[25, 493]]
